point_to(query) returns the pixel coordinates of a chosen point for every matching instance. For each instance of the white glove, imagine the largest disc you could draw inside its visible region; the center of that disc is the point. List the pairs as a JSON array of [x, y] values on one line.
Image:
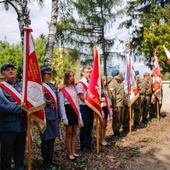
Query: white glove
[[80, 121], [65, 121], [103, 114]]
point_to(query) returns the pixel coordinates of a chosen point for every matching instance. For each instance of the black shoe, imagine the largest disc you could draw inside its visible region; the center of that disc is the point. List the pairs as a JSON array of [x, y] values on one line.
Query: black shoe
[[136, 125], [162, 114], [71, 159], [125, 130], [152, 116], [46, 166], [145, 121], [85, 150], [117, 134]]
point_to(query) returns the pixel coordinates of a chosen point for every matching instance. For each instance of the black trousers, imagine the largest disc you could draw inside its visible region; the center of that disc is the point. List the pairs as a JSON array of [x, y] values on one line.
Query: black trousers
[[13, 145], [47, 149]]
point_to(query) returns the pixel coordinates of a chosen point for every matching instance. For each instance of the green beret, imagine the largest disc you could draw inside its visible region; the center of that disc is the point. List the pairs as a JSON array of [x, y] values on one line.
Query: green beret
[[114, 73], [136, 72]]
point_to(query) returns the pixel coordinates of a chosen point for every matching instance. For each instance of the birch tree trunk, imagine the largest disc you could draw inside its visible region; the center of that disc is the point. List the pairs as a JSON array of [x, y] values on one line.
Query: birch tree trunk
[[20, 6], [52, 34]]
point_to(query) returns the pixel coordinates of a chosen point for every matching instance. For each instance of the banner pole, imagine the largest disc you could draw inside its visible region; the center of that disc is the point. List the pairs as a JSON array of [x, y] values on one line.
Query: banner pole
[[97, 134], [130, 119], [157, 109], [29, 142]]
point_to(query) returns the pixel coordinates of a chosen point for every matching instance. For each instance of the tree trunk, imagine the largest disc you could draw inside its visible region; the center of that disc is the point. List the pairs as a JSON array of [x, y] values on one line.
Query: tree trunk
[[23, 15], [52, 34]]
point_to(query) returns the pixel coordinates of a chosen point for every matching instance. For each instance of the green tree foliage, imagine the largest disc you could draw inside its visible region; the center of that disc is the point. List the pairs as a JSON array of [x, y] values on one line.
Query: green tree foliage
[[63, 59], [154, 39], [143, 14], [11, 53], [89, 25]]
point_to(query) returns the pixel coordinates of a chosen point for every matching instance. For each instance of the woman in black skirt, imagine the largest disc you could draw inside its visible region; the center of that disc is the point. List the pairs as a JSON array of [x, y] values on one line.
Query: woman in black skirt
[[70, 112]]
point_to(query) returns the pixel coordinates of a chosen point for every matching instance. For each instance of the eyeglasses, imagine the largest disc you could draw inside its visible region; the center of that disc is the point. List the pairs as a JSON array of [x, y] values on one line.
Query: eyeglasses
[[49, 73], [87, 71]]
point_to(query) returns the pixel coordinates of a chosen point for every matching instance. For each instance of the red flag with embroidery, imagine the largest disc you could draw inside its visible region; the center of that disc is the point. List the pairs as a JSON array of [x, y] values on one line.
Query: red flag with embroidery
[[93, 95], [156, 79], [32, 100]]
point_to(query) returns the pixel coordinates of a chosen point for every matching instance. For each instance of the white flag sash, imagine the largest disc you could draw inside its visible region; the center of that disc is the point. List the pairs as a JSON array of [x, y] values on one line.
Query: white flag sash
[[51, 94], [12, 91]]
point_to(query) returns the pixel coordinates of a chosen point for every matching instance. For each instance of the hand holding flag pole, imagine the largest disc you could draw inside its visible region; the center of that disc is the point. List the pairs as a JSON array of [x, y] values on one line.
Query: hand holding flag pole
[[92, 98]]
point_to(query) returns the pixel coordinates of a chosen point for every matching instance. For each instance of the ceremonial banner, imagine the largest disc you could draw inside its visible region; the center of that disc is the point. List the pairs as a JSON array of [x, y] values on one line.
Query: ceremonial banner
[[156, 79], [92, 98], [130, 86], [32, 100], [167, 53]]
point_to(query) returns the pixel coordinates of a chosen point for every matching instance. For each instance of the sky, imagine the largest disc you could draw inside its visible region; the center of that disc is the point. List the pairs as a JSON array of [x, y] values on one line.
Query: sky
[[9, 29]]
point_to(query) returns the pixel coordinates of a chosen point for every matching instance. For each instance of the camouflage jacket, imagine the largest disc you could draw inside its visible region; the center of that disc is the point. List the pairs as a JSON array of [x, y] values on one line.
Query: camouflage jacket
[[145, 87], [117, 93]]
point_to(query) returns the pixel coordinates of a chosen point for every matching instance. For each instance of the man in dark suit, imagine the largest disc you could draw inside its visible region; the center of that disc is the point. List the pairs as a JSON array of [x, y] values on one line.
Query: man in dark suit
[[12, 120]]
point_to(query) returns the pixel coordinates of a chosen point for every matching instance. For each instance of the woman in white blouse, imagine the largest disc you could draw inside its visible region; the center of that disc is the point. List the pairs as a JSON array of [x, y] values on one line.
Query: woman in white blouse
[[70, 112]]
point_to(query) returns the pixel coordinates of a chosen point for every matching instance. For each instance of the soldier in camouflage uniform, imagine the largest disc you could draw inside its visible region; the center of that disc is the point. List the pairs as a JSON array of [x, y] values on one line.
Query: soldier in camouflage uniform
[[117, 103], [137, 103], [145, 92]]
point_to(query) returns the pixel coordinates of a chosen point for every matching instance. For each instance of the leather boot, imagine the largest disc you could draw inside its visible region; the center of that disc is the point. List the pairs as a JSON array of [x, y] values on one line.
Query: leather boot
[[117, 134]]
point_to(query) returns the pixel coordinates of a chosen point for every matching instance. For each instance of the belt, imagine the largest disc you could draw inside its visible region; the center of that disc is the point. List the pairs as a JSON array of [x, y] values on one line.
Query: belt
[[50, 105]]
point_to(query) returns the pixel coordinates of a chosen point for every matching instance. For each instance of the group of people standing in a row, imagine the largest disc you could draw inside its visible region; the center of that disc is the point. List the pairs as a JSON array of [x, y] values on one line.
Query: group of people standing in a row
[[66, 104], [142, 107]]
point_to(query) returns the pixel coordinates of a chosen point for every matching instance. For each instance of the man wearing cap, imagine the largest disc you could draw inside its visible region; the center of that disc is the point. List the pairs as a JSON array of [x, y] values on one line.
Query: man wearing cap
[[12, 120], [145, 93], [53, 116], [137, 103], [117, 95]]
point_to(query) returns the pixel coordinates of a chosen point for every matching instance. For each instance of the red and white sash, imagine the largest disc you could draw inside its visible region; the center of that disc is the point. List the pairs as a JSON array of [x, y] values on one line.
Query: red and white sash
[[83, 84], [51, 94], [12, 91], [72, 102]]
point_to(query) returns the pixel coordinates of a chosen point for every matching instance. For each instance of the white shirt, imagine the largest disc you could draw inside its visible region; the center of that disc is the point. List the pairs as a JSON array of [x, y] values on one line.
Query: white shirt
[[80, 89]]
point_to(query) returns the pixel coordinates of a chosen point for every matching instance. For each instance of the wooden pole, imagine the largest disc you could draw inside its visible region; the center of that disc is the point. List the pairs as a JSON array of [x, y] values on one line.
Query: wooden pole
[[97, 134], [29, 141], [130, 119], [157, 109]]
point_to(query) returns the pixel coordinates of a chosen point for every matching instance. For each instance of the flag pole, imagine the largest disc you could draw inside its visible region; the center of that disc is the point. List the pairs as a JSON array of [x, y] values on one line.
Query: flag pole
[[97, 134], [27, 33], [157, 109], [29, 141], [130, 119], [97, 117]]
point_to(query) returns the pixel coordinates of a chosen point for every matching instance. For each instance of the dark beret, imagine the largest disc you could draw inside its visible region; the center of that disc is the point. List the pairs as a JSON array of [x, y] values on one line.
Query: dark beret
[[46, 69], [5, 65], [136, 72], [114, 73]]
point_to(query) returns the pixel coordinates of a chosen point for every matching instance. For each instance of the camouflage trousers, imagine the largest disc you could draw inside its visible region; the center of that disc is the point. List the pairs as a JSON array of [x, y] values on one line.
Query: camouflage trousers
[[137, 110], [118, 119], [145, 107]]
